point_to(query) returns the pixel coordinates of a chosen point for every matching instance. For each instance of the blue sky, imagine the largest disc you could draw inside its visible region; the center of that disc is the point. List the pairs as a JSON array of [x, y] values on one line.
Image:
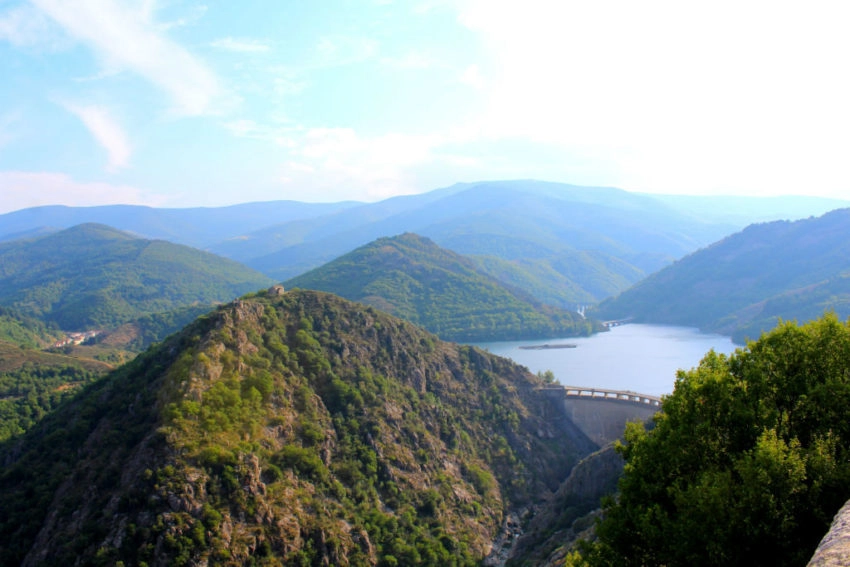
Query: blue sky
[[185, 103]]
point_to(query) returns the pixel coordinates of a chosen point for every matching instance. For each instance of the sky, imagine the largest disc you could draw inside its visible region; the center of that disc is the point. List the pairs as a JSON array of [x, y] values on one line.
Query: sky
[[176, 103]]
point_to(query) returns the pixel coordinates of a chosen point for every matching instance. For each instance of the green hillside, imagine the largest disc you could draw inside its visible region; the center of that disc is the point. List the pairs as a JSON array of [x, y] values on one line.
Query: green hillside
[[25, 331], [139, 334], [411, 277], [527, 222], [746, 464], [746, 282], [34, 382], [95, 276], [567, 278], [294, 429], [598, 239]]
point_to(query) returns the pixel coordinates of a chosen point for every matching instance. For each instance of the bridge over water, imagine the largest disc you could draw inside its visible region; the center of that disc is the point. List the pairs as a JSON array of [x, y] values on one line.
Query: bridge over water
[[602, 414], [617, 322]]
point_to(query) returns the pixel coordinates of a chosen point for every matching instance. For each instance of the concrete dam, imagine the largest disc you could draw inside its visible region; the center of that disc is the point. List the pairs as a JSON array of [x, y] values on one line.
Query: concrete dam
[[602, 414]]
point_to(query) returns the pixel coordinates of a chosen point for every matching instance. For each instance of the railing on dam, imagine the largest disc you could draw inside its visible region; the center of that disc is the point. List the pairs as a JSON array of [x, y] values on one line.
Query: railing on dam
[[617, 322], [613, 395]]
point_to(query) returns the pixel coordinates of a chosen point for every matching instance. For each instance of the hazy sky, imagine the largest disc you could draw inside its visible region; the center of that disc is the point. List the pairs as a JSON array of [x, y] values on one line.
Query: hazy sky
[[183, 102]]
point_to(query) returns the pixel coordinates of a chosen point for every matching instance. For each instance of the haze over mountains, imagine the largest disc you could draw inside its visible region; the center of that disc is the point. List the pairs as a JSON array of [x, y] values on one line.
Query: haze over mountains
[[299, 427], [563, 244], [196, 227]]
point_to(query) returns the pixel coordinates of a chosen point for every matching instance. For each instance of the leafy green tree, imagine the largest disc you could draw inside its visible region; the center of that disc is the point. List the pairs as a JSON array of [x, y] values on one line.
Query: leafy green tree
[[747, 463]]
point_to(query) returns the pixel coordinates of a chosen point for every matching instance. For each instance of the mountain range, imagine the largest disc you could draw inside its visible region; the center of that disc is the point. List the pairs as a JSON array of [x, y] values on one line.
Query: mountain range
[[563, 244], [743, 284], [298, 427]]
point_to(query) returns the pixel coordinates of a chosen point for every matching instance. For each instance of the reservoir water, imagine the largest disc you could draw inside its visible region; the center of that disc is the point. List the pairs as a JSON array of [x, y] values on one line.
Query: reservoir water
[[640, 358]]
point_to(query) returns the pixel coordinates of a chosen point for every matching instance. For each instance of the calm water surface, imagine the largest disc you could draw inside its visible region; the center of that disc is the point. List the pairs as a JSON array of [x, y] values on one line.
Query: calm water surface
[[641, 358]]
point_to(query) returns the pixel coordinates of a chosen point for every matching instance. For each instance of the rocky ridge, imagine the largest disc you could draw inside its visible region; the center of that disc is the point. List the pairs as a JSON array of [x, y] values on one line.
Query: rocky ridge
[[287, 429]]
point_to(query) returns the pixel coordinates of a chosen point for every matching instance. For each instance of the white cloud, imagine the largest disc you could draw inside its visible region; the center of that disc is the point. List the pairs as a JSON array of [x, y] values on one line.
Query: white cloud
[[126, 39], [340, 164], [24, 26], [412, 61], [708, 96], [241, 45], [472, 77], [340, 50], [287, 85], [106, 131], [22, 189]]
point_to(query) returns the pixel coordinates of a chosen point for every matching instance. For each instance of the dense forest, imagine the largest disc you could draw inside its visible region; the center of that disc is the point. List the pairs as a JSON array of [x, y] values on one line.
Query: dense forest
[[93, 276], [29, 393], [746, 464], [25, 331], [411, 277]]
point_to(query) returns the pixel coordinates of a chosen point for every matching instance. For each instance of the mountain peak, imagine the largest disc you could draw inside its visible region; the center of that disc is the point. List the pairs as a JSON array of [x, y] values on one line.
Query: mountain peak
[[413, 278], [300, 426]]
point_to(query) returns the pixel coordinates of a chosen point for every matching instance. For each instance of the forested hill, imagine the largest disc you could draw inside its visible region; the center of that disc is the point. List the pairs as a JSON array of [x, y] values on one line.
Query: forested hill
[[25, 331], [411, 277], [744, 283], [94, 276], [295, 429]]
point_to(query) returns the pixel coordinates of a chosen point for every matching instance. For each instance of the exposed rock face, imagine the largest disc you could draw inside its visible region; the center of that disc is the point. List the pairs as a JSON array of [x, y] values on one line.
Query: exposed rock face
[[570, 512], [834, 548], [296, 428]]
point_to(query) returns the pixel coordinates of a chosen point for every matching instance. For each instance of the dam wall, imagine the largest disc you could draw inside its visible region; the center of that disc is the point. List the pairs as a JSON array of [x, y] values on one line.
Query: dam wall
[[602, 414]]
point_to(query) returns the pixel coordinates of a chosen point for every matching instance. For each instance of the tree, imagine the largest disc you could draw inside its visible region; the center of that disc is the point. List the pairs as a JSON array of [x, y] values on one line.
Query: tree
[[746, 464]]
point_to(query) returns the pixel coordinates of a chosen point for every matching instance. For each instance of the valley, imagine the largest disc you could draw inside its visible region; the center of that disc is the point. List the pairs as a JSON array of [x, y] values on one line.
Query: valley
[[341, 417], [439, 283]]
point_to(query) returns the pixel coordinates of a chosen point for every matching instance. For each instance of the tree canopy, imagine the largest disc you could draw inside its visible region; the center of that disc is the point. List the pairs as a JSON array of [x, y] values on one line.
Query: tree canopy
[[747, 463]]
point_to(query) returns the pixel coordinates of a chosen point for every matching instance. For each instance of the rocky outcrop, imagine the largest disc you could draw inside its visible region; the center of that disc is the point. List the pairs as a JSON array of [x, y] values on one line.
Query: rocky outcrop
[[571, 511], [834, 548], [296, 427]]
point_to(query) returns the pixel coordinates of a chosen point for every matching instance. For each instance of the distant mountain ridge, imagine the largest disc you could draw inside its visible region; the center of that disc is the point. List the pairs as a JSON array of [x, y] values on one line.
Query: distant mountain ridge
[[411, 277], [746, 282], [198, 227], [564, 244], [510, 220], [93, 275]]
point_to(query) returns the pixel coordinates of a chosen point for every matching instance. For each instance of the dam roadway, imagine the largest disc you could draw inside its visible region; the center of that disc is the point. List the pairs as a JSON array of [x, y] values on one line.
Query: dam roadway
[[602, 414]]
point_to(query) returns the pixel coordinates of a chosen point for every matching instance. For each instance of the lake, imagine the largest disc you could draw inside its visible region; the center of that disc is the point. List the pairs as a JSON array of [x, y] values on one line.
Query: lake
[[640, 358]]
